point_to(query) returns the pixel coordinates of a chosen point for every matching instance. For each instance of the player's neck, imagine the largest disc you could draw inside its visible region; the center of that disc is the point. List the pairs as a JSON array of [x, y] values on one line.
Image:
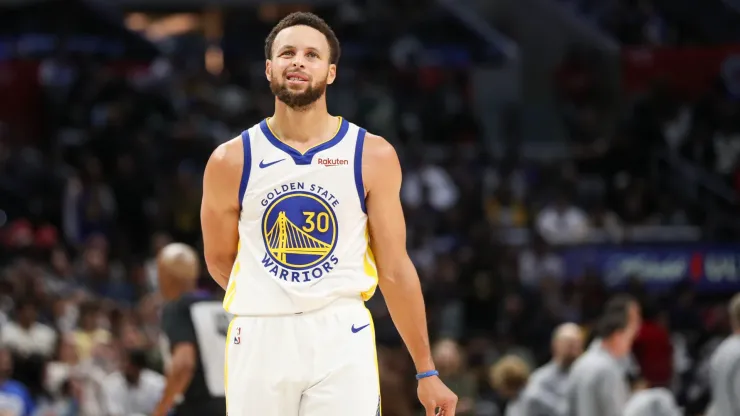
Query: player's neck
[[302, 125]]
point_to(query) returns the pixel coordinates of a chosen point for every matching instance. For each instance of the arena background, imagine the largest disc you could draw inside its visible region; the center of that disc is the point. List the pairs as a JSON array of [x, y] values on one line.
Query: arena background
[[555, 152]]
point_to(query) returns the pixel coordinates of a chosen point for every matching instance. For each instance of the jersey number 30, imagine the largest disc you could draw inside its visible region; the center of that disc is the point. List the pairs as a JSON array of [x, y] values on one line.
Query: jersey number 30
[[316, 222]]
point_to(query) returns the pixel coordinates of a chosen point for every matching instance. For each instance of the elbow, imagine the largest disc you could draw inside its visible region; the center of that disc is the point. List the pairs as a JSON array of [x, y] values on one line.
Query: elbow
[[389, 277], [402, 272], [211, 266]]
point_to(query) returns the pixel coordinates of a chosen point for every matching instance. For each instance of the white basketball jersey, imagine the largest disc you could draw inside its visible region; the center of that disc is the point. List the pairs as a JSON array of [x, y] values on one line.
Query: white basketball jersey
[[303, 239]]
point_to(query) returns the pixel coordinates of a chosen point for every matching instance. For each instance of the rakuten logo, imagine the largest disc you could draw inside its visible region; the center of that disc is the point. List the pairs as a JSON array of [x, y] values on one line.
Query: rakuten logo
[[333, 162]]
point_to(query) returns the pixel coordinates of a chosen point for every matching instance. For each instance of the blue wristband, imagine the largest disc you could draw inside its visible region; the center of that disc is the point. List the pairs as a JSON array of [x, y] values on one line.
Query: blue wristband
[[427, 374]]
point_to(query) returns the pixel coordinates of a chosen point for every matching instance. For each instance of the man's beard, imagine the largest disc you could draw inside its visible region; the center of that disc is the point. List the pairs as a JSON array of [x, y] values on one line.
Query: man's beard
[[297, 100]]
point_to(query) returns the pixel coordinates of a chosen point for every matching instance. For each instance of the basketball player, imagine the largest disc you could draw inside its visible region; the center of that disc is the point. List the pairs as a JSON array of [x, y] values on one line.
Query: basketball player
[[301, 221], [195, 328]]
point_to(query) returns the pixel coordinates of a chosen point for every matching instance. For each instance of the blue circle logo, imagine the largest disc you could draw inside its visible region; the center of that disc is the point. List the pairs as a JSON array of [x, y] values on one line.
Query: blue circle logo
[[299, 230]]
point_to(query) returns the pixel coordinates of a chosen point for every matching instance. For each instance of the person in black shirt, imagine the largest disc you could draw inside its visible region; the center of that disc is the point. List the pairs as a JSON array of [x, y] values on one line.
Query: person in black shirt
[[194, 327]]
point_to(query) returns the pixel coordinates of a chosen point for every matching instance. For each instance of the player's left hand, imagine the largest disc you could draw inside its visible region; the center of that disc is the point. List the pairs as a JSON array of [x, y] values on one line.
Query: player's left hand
[[434, 394]]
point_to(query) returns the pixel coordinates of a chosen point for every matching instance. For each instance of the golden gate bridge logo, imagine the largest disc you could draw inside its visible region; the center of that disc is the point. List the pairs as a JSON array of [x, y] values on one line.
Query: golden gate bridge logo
[[299, 230], [286, 238]]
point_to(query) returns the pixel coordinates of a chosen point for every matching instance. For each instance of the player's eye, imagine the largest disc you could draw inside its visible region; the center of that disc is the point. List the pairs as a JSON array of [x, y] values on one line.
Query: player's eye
[[313, 54], [287, 53]]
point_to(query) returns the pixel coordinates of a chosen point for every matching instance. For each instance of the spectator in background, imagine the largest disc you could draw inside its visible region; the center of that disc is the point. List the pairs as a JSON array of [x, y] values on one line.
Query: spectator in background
[[449, 361], [25, 335], [652, 348], [539, 262], [607, 223], [647, 401], [669, 213], [65, 403], [654, 27], [597, 384], [509, 172], [509, 377], [88, 332], [67, 374], [429, 184], [726, 141], [724, 373], [677, 125], [698, 148], [134, 389], [504, 210], [14, 397], [562, 222], [89, 204], [60, 279], [547, 386]]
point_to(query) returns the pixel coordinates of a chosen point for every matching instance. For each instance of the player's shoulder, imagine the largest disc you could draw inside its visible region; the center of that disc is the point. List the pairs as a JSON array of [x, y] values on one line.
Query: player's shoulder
[[231, 152], [225, 165], [377, 147], [380, 163], [228, 153]]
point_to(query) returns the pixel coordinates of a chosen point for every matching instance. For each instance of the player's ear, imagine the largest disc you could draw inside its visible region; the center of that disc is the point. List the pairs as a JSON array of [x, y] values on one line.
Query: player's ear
[[268, 69], [332, 74]]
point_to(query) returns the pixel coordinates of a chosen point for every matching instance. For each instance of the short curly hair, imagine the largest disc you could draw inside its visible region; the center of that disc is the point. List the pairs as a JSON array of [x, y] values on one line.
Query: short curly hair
[[509, 375], [310, 20]]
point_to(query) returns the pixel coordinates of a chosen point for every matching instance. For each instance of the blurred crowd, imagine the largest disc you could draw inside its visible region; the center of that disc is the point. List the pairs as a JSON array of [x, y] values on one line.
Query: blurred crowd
[[633, 22], [661, 23], [117, 173]]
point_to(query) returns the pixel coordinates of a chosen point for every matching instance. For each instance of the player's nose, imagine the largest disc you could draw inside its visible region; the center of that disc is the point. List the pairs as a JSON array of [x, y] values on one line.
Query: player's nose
[[298, 61]]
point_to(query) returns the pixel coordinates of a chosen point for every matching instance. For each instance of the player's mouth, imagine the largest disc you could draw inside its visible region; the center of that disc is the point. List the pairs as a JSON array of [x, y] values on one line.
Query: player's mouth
[[296, 78]]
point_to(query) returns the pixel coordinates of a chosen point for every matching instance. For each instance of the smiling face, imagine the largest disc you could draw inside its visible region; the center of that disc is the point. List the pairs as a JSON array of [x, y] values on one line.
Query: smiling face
[[300, 69]]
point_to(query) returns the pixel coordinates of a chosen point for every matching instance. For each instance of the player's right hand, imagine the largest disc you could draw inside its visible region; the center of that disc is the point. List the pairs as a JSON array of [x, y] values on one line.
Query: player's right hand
[[434, 394]]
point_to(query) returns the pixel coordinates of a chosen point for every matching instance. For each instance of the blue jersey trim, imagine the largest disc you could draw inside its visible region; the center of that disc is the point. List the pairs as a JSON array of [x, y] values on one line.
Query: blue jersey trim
[[304, 158], [358, 168], [247, 166]]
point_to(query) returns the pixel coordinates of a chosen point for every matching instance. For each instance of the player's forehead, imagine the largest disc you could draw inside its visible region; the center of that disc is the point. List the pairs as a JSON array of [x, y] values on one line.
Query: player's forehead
[[301, 37]]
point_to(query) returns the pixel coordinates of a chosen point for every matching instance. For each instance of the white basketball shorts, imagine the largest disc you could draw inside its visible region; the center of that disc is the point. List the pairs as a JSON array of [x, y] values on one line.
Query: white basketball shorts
[[321, 363]]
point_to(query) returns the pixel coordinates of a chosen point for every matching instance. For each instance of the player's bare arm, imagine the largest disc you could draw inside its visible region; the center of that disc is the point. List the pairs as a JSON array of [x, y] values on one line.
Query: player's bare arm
[[397, 275], [219, 210], [179, 376]]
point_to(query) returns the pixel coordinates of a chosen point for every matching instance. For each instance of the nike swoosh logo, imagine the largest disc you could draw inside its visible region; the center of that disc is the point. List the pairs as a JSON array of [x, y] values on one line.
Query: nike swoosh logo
[[358, 329], [265, 165]]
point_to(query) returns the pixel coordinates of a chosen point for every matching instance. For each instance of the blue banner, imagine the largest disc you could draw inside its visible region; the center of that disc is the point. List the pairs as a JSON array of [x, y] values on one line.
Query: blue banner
[[712, 268]]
